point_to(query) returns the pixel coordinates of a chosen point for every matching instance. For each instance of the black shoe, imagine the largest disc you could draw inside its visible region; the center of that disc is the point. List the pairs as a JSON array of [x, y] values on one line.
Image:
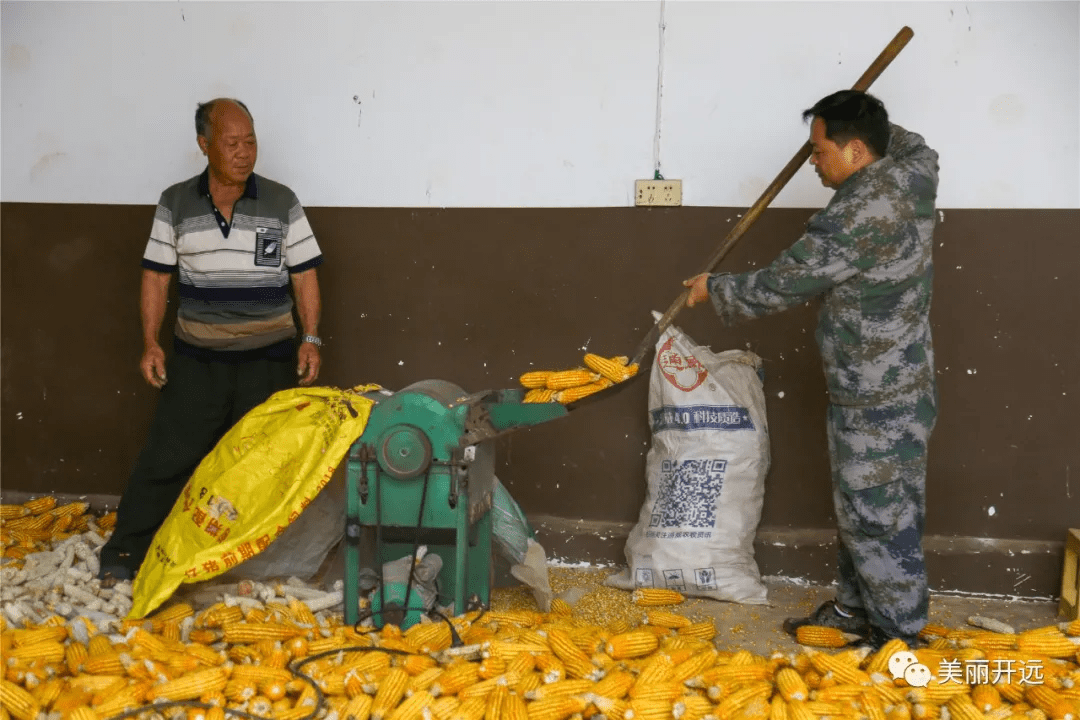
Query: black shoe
[[875, 638], [827, 616], [109, 575]]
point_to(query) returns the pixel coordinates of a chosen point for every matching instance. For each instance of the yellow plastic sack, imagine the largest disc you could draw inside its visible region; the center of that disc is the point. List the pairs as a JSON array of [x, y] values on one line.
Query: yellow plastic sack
[[256, 481]]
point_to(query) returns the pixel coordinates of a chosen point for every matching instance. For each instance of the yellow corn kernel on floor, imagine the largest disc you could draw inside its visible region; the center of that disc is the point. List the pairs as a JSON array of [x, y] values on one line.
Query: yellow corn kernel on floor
[[757, 628]]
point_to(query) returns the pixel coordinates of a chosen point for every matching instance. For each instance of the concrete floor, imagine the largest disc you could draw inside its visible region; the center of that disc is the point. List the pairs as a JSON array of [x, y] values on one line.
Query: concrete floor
[[758, 627]]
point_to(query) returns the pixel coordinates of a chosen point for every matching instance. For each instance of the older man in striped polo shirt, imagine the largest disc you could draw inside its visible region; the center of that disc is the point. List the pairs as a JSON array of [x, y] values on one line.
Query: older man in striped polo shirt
[[237, 242]]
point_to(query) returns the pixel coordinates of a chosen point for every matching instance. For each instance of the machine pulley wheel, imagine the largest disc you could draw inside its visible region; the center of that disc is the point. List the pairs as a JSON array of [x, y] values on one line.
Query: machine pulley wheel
[[404, 452]]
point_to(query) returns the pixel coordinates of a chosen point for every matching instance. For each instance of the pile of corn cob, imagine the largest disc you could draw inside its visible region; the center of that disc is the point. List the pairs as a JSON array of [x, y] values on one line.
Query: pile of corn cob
[[516, 665], [51, 568], [50, 563], [513, 665], [38, 524], [567, 386]]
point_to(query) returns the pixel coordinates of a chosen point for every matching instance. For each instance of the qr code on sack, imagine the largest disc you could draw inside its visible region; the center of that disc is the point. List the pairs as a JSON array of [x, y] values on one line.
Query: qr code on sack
[[687, 493]]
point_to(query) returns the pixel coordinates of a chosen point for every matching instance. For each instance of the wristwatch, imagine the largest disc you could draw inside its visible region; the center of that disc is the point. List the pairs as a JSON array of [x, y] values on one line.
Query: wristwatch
[[313, 339]]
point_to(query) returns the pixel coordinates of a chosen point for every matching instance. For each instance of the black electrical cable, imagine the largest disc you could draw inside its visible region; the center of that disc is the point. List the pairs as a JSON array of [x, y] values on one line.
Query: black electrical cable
[[455, 639], [378, 539], [416, 544], [294, 668]]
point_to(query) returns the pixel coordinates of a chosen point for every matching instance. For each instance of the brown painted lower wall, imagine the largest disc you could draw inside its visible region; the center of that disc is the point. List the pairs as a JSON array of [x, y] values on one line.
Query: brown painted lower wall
[[477, 296]]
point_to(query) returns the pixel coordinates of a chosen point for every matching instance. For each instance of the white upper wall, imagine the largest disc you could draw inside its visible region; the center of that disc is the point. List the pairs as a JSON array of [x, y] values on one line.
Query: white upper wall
[[531, 104]]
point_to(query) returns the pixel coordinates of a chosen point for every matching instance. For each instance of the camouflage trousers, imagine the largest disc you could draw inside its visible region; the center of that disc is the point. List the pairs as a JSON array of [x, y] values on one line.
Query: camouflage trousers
[[878, 458]]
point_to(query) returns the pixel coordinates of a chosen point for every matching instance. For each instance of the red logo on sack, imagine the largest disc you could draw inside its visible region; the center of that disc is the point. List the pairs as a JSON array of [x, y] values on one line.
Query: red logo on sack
[[684, 372]]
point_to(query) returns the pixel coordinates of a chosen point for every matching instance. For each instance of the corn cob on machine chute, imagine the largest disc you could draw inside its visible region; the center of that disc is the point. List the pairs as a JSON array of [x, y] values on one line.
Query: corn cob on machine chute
[[422, 475]]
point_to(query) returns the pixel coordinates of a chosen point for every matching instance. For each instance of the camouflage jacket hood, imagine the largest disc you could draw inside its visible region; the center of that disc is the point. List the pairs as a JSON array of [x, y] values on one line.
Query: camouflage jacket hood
[[868, 254]]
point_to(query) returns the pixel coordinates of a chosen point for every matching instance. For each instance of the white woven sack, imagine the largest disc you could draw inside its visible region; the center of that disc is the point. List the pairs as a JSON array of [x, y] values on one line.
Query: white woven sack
[[705, 475]]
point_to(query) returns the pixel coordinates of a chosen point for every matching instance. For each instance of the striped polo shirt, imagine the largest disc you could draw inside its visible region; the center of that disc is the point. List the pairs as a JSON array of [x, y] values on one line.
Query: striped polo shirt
[[233, 283]]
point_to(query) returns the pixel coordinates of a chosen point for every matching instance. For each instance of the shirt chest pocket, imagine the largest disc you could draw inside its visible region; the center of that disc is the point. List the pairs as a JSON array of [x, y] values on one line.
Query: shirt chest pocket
[[268, 246]]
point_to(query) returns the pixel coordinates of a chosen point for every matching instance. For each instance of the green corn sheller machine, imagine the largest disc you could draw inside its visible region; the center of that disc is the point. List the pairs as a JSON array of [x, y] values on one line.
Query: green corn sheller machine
[[422, 474]]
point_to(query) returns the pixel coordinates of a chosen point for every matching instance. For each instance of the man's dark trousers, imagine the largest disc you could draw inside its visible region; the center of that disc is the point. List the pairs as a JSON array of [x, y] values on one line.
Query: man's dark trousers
[[197, 406]]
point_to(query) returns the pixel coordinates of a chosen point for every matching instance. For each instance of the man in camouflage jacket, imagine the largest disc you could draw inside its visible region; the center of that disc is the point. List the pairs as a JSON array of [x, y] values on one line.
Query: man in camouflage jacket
[[868, 254]]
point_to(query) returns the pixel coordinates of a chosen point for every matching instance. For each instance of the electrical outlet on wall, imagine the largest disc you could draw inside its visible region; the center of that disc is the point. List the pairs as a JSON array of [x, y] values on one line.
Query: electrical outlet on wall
[[658, 192]]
